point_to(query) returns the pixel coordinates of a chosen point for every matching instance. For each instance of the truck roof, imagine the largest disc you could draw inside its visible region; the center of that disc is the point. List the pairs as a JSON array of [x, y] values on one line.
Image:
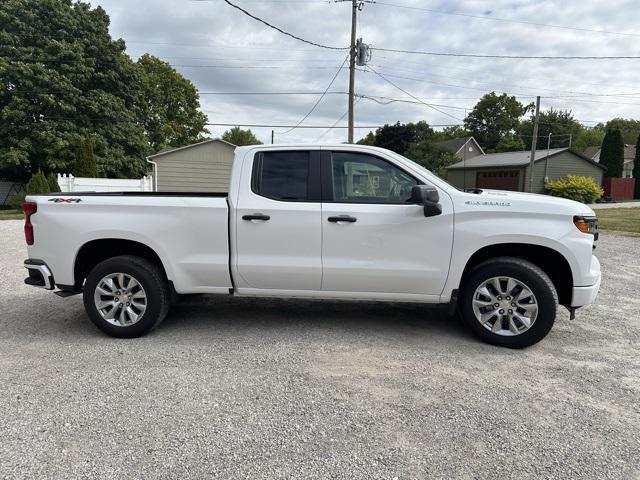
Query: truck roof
[[349, 146]]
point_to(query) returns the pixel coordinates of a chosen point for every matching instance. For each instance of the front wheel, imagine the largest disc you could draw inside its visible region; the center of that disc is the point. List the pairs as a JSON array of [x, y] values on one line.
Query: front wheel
[[508, 302], [126, 296]]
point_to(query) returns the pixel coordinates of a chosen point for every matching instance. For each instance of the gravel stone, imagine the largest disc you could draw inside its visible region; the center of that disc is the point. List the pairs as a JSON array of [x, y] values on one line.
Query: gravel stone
[[254, 388]]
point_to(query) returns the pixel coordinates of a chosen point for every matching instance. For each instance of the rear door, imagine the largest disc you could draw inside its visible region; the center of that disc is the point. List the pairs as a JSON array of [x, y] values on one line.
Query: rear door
[[374, 240], [278, 221]]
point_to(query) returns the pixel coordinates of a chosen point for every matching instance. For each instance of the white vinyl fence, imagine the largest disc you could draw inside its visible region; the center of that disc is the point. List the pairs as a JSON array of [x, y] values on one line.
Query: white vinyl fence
[[69, 183]]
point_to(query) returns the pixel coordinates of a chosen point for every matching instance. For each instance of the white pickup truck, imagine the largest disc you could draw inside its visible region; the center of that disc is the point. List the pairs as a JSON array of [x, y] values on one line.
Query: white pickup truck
[[348, 222]]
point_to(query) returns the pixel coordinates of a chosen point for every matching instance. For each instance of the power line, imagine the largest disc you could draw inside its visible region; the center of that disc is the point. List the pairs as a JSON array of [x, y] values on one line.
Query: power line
[[262, 125], [46, 118], [319, 98], [281, 30], [517, 95], [521, 57], [251, 67], [336, 122], [572, 93], [216, 45], [388, 101], [508, 20], [413, 96]]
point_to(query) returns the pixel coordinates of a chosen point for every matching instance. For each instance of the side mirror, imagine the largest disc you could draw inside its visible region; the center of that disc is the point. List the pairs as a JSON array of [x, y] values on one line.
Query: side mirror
[[428, 196]]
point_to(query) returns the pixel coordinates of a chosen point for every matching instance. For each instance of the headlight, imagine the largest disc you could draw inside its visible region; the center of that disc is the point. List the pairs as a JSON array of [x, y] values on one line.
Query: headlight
[[587, 225]]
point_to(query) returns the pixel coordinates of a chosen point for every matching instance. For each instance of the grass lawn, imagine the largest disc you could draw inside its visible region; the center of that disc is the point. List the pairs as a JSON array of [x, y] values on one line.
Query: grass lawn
[[11, 215], [619, 219]]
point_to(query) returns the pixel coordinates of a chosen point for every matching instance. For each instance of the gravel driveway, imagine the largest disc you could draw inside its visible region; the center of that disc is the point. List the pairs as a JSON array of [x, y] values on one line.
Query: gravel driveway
[[298, 389]]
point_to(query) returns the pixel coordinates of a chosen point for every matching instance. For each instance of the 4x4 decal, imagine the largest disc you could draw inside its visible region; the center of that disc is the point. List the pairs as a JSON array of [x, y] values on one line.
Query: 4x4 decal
[[65, 200]]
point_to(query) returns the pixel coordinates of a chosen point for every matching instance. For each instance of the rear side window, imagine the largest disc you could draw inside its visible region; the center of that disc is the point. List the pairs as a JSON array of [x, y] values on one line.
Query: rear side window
[[282, 175]]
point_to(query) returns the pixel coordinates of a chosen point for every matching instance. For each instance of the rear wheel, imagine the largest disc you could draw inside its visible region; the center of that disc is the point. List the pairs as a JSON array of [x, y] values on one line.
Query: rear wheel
[[508, 302], [126, 296]]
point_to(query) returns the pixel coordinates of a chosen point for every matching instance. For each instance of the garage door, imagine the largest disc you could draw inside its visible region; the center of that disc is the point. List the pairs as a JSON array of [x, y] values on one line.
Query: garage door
[[499, 180]]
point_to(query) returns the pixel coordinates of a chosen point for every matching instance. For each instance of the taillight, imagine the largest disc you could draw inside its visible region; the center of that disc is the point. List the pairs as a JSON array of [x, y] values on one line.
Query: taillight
[[28, 209]]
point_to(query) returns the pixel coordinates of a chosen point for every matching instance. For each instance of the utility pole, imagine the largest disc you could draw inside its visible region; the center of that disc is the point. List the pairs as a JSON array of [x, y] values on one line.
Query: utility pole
[[464, 163], [352, 67], [534, 141], [546, 160], [271, 137]]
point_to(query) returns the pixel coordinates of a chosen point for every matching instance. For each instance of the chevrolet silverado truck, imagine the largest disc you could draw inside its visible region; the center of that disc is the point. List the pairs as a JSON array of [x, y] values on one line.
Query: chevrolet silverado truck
[[347, 222]]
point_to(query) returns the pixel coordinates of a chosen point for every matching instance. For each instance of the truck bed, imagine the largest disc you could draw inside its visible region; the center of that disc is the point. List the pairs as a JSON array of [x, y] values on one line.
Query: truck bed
[[189, 232], [133, 194]]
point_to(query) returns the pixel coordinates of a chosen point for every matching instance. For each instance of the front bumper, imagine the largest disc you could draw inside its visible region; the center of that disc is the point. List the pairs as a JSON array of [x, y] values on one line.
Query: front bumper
[[39, 274], [586, 295]]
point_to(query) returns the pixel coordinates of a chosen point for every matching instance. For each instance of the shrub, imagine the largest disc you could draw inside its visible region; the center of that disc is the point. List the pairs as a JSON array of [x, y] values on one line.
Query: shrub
[[17, 200], [85, 165], [574, 187], [38, 183], [52, 181]]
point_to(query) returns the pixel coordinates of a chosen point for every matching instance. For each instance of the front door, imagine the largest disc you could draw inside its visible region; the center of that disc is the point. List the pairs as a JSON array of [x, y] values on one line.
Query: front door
[[373, 239], [278, 222]]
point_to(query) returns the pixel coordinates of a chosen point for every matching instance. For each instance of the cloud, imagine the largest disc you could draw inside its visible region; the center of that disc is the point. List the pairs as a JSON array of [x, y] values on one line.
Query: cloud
[[222, 50]]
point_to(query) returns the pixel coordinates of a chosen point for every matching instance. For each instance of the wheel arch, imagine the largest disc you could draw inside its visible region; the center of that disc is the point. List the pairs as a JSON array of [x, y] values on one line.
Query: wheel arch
[[551, 261], [95, 251]]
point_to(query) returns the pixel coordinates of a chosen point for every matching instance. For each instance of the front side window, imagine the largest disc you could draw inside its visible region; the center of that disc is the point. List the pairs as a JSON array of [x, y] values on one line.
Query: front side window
[[282, 176], [362, 178]]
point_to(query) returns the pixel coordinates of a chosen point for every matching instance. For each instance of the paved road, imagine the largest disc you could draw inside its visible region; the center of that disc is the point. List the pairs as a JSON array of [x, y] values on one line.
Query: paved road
[[296, 389]]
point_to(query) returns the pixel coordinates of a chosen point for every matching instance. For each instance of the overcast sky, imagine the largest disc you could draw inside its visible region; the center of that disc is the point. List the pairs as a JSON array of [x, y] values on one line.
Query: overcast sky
[[221, 50]]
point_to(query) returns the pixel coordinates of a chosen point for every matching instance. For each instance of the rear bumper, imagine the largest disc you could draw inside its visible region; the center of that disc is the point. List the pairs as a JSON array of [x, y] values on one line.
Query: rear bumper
[[586, 295], [39, 274]]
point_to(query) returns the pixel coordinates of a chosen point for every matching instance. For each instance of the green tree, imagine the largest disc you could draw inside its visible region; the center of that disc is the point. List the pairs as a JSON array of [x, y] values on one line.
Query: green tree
[[612, 153], [629, 128], [397, 137], [368, 139], [431, 157], [494, 117], [449, 133], [85, 165], [636, 168], [559, 123], [588, 137], [63, 78], [510, 143], [172, 116], [52, 181], [38, 183], [240, 137]]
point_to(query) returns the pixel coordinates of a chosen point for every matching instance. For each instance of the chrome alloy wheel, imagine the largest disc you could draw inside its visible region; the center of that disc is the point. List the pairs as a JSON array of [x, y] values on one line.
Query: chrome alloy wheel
[[505, 306], [120, 299]]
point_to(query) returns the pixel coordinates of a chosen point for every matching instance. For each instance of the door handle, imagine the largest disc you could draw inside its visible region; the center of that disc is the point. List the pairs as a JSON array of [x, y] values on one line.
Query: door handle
[[256, 216], [342, 218]]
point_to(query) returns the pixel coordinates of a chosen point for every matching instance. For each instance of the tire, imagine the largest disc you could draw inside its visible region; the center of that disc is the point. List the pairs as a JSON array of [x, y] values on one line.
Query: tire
[[148, 301], [513, 331]]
